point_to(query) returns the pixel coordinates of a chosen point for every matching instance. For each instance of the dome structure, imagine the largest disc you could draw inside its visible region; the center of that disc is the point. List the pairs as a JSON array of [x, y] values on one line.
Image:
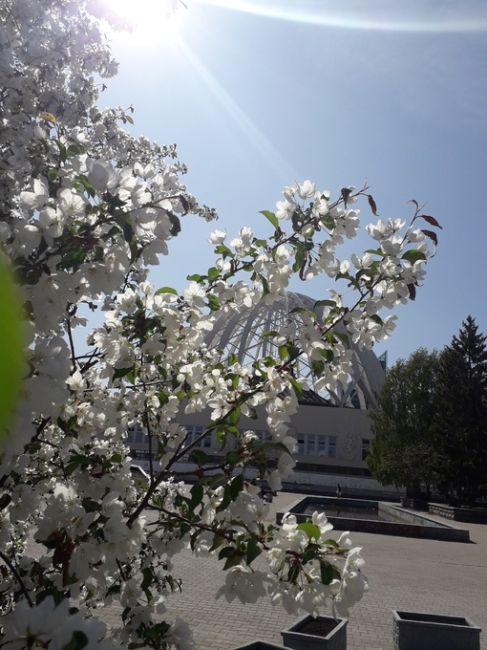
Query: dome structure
[[242, 334]]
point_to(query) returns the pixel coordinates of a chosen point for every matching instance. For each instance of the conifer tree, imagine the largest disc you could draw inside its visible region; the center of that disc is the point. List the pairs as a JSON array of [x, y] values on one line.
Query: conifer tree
[[461, 414]]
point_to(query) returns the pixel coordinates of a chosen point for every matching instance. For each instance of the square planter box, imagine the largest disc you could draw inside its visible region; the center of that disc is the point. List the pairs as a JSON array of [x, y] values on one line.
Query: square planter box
[[414, 631], [316, 633], [260, 645]]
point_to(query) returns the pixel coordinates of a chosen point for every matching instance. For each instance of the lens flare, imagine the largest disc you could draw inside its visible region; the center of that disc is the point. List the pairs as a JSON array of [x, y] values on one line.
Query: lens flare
[[420, 16], [146, 20]]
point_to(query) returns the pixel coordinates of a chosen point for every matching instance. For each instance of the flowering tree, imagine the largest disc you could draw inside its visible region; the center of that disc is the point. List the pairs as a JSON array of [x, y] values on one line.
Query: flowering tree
[[86, 210]]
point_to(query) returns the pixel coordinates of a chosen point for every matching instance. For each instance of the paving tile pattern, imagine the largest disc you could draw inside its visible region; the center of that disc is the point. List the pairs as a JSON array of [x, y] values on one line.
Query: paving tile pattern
[[410, 574]]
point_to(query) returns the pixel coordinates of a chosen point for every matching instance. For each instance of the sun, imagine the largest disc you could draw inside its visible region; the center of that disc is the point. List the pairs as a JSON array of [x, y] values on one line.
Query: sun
[[146, 19]]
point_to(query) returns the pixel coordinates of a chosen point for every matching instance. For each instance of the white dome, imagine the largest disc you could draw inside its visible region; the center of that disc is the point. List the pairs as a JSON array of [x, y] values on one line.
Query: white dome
[[242, 334]]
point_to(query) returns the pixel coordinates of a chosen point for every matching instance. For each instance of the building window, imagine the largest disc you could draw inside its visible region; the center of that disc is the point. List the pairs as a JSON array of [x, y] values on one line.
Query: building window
[[310, 444], [365, 448], [332, 446], [207, 440], [197, 432], [321, 445]]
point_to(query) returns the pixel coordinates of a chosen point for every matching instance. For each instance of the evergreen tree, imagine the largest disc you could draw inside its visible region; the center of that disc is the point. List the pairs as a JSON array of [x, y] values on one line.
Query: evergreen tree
[[461, 414], [403, 451]]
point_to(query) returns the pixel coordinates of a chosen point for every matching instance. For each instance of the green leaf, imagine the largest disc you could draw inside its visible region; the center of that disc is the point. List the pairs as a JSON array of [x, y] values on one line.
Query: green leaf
[[196, 496], [331, 542], [297, 388], [83, 181], [11, 345], [148, 578], [377, 319], [413, 255], [221, 249], [293, 572], [213, 274], [233, 416], [75, 150], [328, 221], [311, 530], [217, 542], [90, 505], [233, 457], [283, 352], [213, 302], [5, 499], [196, 278], [253, 551], [78, 641], [318, 367], [328, 572], [271, 217], [163, 398], [236, 486], [324, 303], [228, 551], [166, 290], [232, 560], [121, 372], [73, 258], [199, 457], [344, 338]]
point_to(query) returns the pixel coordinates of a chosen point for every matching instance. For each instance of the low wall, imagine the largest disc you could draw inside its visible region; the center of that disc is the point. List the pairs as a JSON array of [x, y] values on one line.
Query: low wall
[[423, 527], [467, 515], [351, 486]]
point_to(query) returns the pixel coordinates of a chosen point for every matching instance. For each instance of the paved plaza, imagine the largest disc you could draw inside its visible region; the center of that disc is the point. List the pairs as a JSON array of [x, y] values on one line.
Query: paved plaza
[[411, 574]]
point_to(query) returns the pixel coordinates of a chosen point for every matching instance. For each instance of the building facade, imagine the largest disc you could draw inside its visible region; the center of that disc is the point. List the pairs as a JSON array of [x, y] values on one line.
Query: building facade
[[332, 430]]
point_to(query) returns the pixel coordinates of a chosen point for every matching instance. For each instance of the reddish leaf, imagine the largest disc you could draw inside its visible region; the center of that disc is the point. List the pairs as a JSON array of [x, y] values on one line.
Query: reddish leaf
[[372, 204], [431, 220], [345, 191], [431, 234], [412, 291]]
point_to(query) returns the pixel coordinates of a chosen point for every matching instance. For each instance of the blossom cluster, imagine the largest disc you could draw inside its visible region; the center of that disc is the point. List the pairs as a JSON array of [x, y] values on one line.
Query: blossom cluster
[[86, 210]]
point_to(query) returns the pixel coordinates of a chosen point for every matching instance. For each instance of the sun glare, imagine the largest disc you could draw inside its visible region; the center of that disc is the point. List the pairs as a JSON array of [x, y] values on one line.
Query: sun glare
[[153, 20]]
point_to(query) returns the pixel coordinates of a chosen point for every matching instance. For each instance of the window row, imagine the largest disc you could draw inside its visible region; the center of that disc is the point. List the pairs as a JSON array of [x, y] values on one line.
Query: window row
[[313, 444], [308, 444]]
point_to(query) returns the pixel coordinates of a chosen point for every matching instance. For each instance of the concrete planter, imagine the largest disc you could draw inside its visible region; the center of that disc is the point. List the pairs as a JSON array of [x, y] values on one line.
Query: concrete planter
[[316, 633], [259, 645], [414, 631]]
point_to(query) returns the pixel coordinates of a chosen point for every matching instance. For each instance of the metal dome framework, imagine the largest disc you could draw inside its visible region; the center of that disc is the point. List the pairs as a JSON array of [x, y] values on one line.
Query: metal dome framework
[[242, 334]]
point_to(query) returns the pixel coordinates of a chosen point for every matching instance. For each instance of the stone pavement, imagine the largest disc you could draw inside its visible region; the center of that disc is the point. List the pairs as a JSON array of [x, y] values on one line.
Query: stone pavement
[[410, 574]]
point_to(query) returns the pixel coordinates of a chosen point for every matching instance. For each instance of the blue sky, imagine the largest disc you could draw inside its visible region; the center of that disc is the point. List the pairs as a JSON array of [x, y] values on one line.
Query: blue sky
[[389, 93]]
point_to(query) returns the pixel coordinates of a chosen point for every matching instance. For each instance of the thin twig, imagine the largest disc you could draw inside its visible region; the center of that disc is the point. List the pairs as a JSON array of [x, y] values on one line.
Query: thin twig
[[23, 588]]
